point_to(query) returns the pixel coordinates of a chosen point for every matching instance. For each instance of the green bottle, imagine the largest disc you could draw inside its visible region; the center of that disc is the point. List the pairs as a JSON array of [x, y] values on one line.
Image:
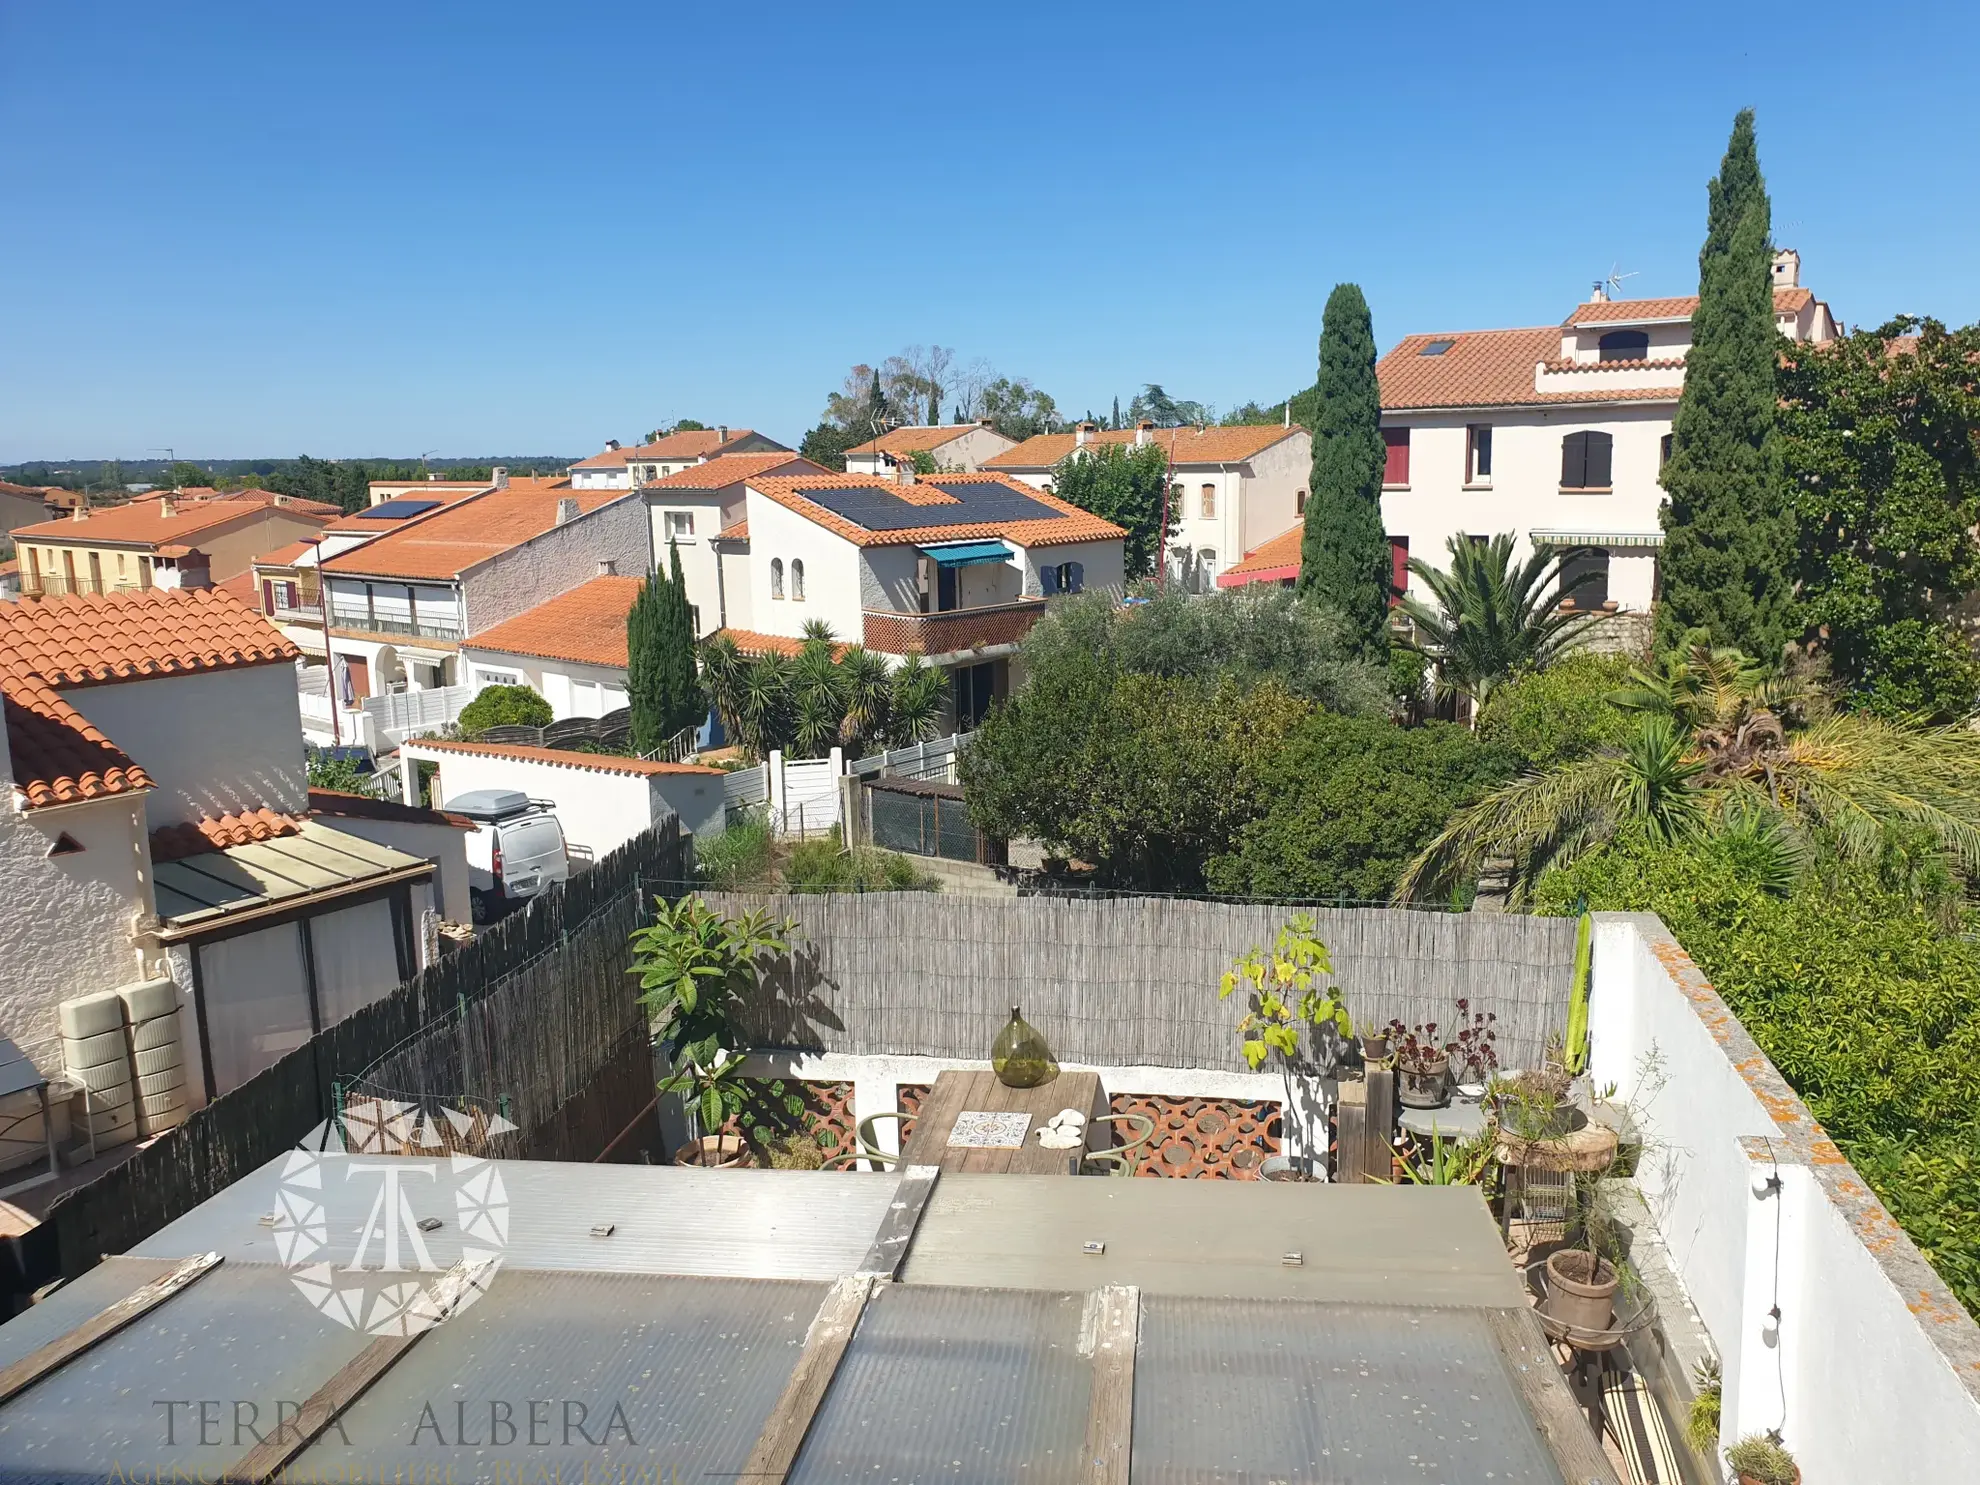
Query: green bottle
[[1020, 1057]]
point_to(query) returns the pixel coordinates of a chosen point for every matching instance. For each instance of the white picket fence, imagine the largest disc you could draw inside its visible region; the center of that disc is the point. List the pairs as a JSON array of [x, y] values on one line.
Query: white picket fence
[[400, 714], [803, 793]]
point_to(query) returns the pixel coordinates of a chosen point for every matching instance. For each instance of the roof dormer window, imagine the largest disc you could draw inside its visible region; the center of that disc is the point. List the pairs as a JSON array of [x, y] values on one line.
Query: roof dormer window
[[1625, 345], [1436, 347]]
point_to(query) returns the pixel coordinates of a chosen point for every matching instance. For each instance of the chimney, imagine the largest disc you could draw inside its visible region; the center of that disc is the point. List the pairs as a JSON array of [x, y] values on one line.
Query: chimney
[[613, 443], [499, 477], [165, 506], [1599, 294], [182, 567], [433, 477], [904, 471], [985, 423], [1787, 269], [1144, 432], [567, 510], [607, 567], [1083, 434], [81, 512], [721, 433]]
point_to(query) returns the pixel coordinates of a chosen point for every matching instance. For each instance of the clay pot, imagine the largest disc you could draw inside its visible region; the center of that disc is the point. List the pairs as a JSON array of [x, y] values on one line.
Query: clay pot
[[1375, 1048], [1749, 1480], [1581, 1290], [1427, 1088], [723, 1151]]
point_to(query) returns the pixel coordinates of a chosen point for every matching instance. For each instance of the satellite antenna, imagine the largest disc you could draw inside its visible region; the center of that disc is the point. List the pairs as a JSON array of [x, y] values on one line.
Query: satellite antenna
[[1615, 279]]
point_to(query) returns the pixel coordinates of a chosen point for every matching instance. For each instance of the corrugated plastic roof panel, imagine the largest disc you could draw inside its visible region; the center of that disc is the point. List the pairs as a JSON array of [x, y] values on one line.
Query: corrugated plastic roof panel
[[955, 1385], [1265, 1390], [214, 884], [665, 1219]]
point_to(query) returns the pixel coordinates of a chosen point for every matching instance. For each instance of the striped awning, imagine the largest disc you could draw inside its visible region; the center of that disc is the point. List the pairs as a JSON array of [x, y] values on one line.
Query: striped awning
[[1579, 538]]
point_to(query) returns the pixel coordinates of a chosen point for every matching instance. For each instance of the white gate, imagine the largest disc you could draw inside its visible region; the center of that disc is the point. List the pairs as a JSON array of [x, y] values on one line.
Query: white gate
[[804, 793]]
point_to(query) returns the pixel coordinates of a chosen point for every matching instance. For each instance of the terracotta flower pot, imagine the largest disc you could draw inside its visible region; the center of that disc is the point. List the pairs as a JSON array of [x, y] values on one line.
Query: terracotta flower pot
[[1374, 1048], [1749, 1480], [1425, 1087], [1581, 1290], [724, 1151]]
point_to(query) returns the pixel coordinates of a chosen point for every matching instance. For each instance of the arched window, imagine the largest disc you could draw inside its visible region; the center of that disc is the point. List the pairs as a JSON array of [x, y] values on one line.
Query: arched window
[[1625, 345], [1585, 460], [776, 577], [1209, 502], [1206, 568], [797, 580]]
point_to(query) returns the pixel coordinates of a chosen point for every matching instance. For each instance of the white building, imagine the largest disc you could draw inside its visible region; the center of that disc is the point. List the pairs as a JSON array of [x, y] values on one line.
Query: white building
[[158, 829], [1556, 433], [955, 568], [617, 467], [570, 650], [1230, 489], [691, 509], [962, 447]]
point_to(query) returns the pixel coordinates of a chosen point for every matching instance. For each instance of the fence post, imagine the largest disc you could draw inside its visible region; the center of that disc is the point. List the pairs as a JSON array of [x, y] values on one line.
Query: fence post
[[773, 780]]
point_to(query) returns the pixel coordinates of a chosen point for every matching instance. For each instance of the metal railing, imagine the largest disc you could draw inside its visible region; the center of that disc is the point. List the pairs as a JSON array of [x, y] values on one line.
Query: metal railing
[[409, 628]]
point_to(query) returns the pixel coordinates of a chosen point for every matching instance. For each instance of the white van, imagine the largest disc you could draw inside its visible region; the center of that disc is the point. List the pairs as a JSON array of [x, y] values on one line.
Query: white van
[[515, 850]]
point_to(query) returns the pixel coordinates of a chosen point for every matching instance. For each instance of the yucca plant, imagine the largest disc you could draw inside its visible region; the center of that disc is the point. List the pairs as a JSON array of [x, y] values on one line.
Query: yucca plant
[[914, 706]]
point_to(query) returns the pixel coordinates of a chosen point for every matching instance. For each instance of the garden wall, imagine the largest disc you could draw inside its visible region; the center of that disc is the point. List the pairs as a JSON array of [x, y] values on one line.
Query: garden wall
[[1129, 981], [1871, 1368]]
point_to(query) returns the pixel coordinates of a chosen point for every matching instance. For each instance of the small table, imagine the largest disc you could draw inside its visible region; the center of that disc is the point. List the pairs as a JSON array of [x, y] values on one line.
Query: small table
[[957, 1093], [1461, 1119]]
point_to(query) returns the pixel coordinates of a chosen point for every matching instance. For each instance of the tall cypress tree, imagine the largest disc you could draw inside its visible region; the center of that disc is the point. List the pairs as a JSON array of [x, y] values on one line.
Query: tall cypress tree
[[1344, 554], [663, 686], [1729, 537]]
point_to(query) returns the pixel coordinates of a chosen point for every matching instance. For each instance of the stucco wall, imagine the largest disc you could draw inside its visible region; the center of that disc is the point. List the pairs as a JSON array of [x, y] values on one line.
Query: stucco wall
[[737, 606], [215, 743], [832, 572], [889, 579], [555, 562], [572, 690], [711, 512], [69, 918], [1103, 564]]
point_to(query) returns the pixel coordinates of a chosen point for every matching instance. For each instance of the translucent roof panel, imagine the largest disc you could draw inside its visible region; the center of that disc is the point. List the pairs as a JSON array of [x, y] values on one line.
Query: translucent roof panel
[[955, 1385], [580, 1377], [1230, 1390]]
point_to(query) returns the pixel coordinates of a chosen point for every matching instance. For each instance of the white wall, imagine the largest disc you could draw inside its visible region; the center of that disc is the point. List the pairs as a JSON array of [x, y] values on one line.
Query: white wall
[[832, 573], [69, 919], [711, 512], [556, 562], [1525, 491], [1103, 563], [1873, 1362], [573, 690], [737, 605], [214, 742]]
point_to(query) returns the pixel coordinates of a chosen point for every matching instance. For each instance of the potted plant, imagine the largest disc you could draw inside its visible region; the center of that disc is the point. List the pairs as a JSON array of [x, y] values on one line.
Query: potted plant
[[697, 968], [1374, 1042], [1533, 1105], [1448, 1162], [1758, 1459], [743, 1120], [1701, 1420], [1285, 995], [1474, 1050], [1422, 1065]]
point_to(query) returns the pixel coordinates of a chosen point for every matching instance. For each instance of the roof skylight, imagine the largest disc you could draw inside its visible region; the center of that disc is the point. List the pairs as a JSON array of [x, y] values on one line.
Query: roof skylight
[[1436, 348]]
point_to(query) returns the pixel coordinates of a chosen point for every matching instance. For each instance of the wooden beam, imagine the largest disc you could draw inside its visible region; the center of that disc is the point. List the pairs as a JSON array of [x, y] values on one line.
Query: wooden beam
[[105, 1323], [896, 1231], [824, 1344], [1351, 1145], [1378, 1164], [347, 1384], [1111, 1328], [1549, 1401]]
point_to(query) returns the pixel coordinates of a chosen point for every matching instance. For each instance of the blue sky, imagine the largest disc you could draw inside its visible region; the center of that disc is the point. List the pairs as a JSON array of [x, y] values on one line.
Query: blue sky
[[375, 229]]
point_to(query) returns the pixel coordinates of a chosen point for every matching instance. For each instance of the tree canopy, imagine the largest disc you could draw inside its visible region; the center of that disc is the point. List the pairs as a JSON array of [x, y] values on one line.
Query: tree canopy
[[1128, 486], [663, 688], [504, 706], [1344, 554]]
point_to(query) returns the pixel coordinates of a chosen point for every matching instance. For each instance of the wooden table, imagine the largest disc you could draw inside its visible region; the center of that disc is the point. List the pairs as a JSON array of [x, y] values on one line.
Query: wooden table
[[957, 1093]]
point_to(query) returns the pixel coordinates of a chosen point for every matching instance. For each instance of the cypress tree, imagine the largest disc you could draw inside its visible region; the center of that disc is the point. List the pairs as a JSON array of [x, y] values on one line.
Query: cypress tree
[[685, 704], [644, 628], [1344, 554], [1729, 537], [1115, 425]]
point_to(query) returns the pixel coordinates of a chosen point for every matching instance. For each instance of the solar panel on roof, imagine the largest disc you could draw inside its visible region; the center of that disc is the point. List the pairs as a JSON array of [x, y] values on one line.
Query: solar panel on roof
[[397, 510], [877, 508]]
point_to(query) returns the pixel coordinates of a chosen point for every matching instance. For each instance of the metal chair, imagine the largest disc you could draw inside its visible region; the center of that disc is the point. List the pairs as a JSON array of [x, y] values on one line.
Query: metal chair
[[1117, 1160], [868, 1149]]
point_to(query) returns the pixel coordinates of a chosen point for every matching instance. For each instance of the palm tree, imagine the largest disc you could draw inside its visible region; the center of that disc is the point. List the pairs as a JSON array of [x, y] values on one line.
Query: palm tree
[[863, 689], [1492, 619], [916, 703], [1722, 747]]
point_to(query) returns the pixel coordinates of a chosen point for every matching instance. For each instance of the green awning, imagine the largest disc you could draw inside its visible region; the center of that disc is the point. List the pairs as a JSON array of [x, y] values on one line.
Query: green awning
[[967, 553]]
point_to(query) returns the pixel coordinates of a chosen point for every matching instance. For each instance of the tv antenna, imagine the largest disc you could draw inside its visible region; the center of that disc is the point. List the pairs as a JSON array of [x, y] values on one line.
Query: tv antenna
[[422, 459], [1614, 281]]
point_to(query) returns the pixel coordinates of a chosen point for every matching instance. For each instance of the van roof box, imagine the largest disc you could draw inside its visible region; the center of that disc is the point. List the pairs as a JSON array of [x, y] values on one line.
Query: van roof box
[[489, 804]]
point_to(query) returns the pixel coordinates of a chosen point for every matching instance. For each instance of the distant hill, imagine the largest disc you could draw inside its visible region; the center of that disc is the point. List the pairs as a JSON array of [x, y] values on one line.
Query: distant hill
[[339, 481]]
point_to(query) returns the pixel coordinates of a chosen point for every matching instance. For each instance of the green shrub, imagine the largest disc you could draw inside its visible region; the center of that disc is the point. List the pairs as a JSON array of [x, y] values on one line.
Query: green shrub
[[504, 706], [1560, 713], [822, 865], [738, 857], [1348, 801], [1867, 1006], [330, 771]]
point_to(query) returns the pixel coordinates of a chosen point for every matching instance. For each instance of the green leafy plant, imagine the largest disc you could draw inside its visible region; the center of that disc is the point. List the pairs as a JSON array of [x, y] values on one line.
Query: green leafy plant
[[1575, 1051], [1447, 1162], [504, 706], [1287, 1001], [739, 856], [1760, 1459], [333, 771], [824, 865], [1701, 1420]]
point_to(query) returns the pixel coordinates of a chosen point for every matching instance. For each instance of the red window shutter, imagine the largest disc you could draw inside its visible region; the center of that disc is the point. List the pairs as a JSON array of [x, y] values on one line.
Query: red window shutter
[[1395, 468], [267, 596], [1398, 566]]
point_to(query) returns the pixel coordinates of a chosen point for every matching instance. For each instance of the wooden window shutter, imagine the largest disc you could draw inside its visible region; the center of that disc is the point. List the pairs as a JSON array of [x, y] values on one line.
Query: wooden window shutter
[[1395, 465], [1600, 448]]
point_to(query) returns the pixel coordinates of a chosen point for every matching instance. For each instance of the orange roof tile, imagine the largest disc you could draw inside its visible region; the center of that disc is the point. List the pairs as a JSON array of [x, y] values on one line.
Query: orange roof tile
[[93, 639], [425, 484], [443, 495], [1187, 445], [268, 498], [141, 523], [1486, 368], [752, 642], [364, 807], [695, 443], [1069, 524], [737, 532], [730, 469], [286, 556], [1683, 307], [244, 590], [60, 757], [218, 832], [908, 440], [586, 625], [446, 542], [596, 762], [1275, 561]]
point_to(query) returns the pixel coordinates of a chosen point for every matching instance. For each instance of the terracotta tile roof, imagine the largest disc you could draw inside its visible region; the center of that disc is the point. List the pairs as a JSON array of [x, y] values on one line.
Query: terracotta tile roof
[[586, 625], [1665, 363], [92, 639], [737, 532], [286, 556], [730, 469], [268, 498], [1276, 560], [695, 443], [1187, 446], [1683, 307], [445, 495], [243, 589], [8, 487], [1486, 368], [751, 642], [218, 832], [907, 440], [595, 762], [60, 757], [446, 542], [427, 484], [1070, 524], [337, 803], [140, 523]]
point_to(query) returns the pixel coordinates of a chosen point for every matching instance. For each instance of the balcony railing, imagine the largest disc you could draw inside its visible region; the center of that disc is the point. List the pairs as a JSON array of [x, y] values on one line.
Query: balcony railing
[[954, 632], [55, 585], [423, 628]]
